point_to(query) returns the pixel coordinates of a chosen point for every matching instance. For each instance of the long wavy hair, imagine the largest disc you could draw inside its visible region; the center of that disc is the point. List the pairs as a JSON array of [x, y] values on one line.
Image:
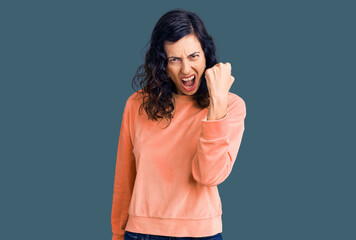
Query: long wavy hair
[[156, 86]]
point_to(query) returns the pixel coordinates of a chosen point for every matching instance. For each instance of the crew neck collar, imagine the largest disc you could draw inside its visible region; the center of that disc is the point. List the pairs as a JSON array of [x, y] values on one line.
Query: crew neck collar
[[183, 97]]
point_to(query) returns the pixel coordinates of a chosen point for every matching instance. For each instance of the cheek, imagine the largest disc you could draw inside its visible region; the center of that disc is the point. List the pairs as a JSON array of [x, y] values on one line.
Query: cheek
[[169, 72], [201, 68], [202, 65]]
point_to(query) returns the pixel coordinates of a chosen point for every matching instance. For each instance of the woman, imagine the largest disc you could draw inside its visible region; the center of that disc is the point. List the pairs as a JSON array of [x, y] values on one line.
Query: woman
[[167, 172]]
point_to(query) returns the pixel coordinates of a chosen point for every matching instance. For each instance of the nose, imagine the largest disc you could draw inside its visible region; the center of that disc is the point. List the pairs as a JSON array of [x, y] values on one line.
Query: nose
[[185, 67]]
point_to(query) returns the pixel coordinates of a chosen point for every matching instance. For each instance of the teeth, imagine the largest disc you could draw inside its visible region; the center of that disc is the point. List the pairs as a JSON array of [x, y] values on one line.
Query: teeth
[[188, 79]]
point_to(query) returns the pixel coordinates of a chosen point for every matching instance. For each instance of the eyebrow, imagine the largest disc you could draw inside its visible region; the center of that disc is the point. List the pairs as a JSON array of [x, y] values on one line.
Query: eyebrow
[[188, 56]]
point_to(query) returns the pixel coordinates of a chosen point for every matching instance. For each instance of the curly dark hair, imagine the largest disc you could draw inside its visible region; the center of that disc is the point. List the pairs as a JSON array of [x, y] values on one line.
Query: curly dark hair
[[156, 86]]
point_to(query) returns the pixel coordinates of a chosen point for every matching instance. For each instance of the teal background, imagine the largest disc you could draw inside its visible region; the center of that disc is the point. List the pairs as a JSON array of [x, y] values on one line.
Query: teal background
[[66, 70]]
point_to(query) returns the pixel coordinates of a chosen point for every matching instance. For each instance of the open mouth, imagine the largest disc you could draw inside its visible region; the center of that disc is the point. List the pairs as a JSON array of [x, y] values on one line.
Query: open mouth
[[189, 83]]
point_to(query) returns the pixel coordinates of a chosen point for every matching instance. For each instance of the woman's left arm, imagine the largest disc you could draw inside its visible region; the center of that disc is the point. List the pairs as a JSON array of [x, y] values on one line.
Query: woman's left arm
[[218, 144]]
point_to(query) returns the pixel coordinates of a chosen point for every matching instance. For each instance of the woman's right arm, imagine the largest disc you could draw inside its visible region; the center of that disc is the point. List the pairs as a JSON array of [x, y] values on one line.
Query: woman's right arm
[[125, 174]]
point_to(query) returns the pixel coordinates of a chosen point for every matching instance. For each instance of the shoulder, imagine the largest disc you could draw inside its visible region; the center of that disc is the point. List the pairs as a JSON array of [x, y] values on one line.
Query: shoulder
[[134, 101], [136, 96], [236, 106], [234, 99]]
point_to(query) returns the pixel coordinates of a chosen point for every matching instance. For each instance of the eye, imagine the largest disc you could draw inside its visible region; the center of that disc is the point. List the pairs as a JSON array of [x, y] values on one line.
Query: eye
[[172, 59], [195, 55]]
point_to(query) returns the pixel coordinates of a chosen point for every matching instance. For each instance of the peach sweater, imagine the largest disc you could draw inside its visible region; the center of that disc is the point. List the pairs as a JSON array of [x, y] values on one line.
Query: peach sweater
[[166, 178]]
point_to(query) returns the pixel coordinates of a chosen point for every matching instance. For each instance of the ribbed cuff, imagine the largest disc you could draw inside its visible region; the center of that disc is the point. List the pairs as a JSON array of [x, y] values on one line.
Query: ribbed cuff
[[214, 129], [117, 237]]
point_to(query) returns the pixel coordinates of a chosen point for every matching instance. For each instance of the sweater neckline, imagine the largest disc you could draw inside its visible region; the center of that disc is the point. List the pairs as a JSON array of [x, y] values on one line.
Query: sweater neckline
[[183, 97]]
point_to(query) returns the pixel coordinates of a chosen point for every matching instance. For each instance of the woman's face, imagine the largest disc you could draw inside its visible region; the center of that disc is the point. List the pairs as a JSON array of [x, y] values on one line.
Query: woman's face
[[185, 59]]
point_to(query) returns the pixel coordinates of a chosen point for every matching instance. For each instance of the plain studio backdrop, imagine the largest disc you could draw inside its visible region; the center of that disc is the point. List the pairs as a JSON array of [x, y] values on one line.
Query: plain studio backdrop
[[66, 69]]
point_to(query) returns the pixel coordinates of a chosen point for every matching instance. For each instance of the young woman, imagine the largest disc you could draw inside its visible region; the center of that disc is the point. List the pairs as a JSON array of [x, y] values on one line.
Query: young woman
[[172, 155]]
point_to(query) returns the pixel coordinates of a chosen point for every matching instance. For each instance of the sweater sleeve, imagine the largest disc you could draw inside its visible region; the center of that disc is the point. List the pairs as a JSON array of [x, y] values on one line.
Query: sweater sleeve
[[125, 174], [218, 144]]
